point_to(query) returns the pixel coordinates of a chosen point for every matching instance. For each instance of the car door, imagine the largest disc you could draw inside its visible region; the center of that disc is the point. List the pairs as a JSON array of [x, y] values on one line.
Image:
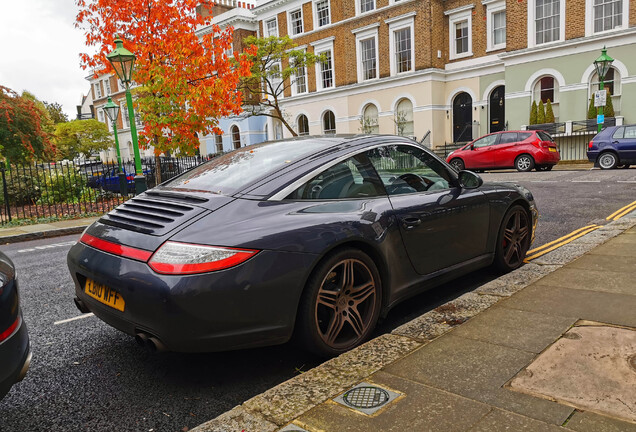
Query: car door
[[441, 223], [480, 155], [625, 144], [505, 150]]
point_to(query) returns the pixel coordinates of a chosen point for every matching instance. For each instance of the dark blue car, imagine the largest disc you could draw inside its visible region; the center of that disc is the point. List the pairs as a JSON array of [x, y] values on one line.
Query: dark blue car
[[614, 147]]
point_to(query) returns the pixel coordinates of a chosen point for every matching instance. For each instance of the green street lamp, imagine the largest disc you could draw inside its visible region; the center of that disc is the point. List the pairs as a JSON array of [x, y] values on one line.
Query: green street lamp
[[123, 61], [602, 65], [112, 112]]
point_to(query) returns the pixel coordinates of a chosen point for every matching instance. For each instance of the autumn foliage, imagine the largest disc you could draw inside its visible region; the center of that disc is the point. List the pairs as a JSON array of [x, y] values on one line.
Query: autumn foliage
[[186, 81], [23, 135]]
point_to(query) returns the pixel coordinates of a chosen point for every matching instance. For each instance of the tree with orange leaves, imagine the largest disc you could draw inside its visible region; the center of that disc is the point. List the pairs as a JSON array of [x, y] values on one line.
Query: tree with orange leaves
[[23, 133], [186, 81]]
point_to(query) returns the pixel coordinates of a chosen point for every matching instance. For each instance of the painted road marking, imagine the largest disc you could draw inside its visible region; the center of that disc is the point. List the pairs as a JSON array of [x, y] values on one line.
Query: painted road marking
[[625, 181], [51, 246], [586, 181], [622, 211], [88, 315], [549, 247]]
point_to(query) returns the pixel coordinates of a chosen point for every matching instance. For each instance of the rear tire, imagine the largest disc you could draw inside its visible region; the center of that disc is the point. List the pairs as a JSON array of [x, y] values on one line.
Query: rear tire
[[341, 303], [513, 241], [524, 163], [607, 160]]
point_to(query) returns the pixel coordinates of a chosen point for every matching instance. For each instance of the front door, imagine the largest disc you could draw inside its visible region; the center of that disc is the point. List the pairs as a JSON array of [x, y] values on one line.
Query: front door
[[462, 118], [497, 104]]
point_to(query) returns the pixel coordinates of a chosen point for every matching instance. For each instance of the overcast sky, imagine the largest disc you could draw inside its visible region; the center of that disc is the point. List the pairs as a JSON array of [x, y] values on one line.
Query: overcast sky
[[40, 51]]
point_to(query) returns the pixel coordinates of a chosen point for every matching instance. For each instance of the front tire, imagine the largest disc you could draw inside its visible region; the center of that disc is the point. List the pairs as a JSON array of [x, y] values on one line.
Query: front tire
[[341, 303], [607, 160], [458, 164], [513, 241], [524, 163]]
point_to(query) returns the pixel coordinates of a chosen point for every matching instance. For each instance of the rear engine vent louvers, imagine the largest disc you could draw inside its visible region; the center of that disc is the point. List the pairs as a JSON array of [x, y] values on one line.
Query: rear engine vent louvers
[[150, 216]]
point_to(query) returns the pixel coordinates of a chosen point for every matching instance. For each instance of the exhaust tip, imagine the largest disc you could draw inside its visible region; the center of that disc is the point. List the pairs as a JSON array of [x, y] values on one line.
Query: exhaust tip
[[156, 345], [142, 339], [81, 305]]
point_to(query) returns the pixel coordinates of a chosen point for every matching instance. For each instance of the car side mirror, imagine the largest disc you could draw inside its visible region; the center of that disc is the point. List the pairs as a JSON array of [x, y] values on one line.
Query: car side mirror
[[472, 147], [470, 180]]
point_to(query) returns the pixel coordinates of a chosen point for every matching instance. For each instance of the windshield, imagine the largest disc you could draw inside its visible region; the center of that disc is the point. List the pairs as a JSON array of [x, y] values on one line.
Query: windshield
[[233, 171]]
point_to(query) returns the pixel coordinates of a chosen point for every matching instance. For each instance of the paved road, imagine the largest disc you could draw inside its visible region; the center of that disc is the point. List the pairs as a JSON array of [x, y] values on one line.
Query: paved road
[[87, 376]]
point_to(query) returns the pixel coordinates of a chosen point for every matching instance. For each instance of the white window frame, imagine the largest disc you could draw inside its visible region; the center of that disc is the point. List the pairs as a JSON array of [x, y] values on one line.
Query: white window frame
[[315, 14], [101, 116], [280, 69], [359, 7], [98, 90], [107, 89], [362, 34], [290, 25], [492, 8], [294, 88], [125, 119], [532, 31], [320, 47], [456, 16], [396, 24], [589, 18], [266, 28]]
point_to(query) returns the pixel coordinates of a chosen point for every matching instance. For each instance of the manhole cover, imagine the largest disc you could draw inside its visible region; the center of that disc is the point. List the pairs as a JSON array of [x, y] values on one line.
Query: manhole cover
[[366, 397]]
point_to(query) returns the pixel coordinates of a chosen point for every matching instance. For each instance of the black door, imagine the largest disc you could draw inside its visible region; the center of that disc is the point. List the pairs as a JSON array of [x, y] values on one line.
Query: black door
[[497, 104], [463, 118]]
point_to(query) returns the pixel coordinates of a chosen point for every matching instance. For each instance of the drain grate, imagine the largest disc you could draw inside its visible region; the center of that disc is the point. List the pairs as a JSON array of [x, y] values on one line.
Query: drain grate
[[366, 398]]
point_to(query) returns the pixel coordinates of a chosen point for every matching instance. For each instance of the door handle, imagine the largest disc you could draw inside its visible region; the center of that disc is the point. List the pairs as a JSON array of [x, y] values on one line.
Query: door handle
[[410, 222]]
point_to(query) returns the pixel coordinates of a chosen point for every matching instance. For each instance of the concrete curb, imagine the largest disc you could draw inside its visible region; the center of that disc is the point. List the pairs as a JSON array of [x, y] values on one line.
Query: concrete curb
[[280, 405], [58, 232]]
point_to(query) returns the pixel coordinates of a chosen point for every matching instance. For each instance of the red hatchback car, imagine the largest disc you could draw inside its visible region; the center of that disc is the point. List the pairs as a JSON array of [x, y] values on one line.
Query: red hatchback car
[[523, 150]]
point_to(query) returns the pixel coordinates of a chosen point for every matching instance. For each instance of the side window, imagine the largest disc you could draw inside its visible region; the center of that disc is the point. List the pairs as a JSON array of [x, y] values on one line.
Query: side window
[[352, 178], [630, 132], [619, 133], [524, 135], [408, 169], [508, 137], [486, 141], [544, 136]]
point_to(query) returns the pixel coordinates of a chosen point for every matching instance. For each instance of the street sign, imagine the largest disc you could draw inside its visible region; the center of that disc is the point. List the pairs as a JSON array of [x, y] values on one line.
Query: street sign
[[600, 119], [600, 98]]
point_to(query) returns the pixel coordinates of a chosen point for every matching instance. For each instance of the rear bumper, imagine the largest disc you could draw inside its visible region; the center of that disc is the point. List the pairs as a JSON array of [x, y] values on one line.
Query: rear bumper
[[15, 358], [253, 304], [547, 158]]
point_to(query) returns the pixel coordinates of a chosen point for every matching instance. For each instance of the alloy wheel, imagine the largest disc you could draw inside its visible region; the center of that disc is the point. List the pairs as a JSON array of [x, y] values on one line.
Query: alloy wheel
[[607, 160], [524, 163], [346, 304], [515, 237], [457, 164]]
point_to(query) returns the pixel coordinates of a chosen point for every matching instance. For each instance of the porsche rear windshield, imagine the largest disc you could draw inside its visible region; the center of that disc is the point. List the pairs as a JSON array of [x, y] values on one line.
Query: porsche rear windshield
[[233, 171]]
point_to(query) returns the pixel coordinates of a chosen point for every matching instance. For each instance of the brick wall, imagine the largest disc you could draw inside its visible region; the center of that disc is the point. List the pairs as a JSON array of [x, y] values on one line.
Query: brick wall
[[574, 19], [516, 24]]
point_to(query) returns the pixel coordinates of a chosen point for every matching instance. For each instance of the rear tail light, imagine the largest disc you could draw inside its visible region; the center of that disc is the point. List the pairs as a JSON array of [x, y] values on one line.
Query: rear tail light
[[590, 145], [115, 248], [184, 258], [9, 331], [537, 143]]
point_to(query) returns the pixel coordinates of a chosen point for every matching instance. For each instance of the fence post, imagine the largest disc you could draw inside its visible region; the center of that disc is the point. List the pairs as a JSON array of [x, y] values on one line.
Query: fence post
[[5, 192]]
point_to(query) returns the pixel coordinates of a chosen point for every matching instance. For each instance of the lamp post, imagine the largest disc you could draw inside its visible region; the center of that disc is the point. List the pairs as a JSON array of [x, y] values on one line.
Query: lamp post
[[123, 61], [602, 65], [112, 112]]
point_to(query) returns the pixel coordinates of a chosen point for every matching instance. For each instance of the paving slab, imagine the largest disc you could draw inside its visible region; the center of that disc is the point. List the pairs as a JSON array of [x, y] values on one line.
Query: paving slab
[[237, 419], [477, 370], [617, 247], [421, 409], [595, 262], [590, 367], [613, 279], [504, 421], [513, 328], [598, 306], [591, 422]]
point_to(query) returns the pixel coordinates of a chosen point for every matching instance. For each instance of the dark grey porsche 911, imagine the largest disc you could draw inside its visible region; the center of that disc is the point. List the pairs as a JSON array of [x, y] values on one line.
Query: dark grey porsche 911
[[312, 237]]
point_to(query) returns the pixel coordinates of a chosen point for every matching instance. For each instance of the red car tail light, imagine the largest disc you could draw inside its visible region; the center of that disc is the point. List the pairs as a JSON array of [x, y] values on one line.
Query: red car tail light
[[185, 258], [9, 331], [115, 249], [537, 143], [590, 145]]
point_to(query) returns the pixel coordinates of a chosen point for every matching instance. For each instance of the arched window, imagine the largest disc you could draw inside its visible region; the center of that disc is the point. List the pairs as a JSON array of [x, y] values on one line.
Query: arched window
[[404, 118], [328, 123], [546, 88], [236, 137], [303, 125], [611, 83], [218, 141], [370, 119]]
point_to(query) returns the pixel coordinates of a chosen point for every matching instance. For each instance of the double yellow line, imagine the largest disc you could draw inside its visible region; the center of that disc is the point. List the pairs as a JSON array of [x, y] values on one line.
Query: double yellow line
[[549, 247], [622, 211]]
